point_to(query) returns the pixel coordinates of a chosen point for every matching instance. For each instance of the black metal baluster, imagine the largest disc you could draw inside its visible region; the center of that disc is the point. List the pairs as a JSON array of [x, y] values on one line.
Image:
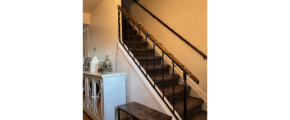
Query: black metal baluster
[[139, 49], [119, 25], [133, 40], [120, 21], [128, 37], [184, 93], [173, 83], [154, 62], [146, 56], [163, 72]]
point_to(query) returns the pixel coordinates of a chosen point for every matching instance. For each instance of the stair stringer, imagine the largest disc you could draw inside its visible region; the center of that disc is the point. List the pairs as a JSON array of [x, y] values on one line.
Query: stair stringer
[[161, 105]]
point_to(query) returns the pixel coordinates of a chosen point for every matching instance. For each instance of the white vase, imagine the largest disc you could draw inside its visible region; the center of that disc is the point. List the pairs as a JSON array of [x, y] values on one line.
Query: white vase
[[94, 65]]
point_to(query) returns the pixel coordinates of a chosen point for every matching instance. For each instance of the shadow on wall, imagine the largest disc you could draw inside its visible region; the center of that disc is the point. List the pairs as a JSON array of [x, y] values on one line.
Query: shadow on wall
[[128, 4]]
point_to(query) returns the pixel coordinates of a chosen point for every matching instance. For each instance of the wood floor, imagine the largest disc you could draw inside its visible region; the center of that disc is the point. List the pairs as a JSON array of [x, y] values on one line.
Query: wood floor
[[86, 116]]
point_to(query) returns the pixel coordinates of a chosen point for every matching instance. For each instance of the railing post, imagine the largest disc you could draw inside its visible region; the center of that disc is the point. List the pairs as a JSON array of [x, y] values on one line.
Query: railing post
[[133, 39], [119, 29], [123, 33], [119, 23], [184, 92], [146, 56], [173, 83], [139, 49], [163, 72], [154, 63], [128, 37]]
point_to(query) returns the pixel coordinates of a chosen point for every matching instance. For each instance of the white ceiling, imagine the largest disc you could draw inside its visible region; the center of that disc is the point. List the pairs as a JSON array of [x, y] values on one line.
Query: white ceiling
[[90, 5]]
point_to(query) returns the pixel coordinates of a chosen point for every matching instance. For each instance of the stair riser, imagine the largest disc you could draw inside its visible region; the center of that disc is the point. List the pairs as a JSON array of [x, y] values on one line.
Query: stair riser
[[130, 32], [125, 23], [192, 113], [131, 38], [167, 83], [177, 97], [135, 42], [150, 62], [130, 27], [125, 27], [143, 54], [136, 46], [157, 72]]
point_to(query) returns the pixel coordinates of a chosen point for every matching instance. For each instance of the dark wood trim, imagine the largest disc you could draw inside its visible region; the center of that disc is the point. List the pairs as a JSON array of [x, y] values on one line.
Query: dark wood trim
[[162, 48], [183, 39]]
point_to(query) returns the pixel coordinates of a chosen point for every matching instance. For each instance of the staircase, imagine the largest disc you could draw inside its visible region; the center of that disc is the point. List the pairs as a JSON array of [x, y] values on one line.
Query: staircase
[[131, 39]]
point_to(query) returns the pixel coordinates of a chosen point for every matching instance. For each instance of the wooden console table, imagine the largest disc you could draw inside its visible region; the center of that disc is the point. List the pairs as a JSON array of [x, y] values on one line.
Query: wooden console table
[[141, 112], [103, 93]]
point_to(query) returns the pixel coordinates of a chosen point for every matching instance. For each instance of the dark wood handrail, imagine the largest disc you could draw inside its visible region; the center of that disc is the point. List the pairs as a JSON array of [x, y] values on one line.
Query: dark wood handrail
[[183, 39], [163, 49]]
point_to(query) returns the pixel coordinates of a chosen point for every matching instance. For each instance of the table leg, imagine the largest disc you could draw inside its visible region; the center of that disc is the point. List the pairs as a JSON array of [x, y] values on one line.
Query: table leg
[[118, 114]]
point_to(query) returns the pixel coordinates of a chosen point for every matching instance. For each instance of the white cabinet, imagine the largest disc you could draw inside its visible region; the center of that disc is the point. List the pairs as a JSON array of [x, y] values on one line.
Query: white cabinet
[[103, 93]]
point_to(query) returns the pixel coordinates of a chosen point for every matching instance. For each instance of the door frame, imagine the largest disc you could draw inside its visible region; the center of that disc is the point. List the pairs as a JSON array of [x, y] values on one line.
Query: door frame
[[86, 42]]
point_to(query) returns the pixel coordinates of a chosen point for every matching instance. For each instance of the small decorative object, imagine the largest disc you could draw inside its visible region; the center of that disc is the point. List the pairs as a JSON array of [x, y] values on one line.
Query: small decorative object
[[101, 68], [107, 65], [94, 65], [86, 66]]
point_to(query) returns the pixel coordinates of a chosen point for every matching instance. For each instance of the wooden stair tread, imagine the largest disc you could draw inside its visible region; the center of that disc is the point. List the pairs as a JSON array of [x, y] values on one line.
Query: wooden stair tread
[[149, 58], [130, 35], [135, 43], [192, 102], [177, 89], [125, 30], [157, 67], [200, 116], [167, 77], [142, 49]]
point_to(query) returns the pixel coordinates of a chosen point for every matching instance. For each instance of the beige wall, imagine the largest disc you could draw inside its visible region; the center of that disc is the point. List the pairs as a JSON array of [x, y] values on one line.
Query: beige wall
[[86, 18], [186, 17], [103, 31]]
